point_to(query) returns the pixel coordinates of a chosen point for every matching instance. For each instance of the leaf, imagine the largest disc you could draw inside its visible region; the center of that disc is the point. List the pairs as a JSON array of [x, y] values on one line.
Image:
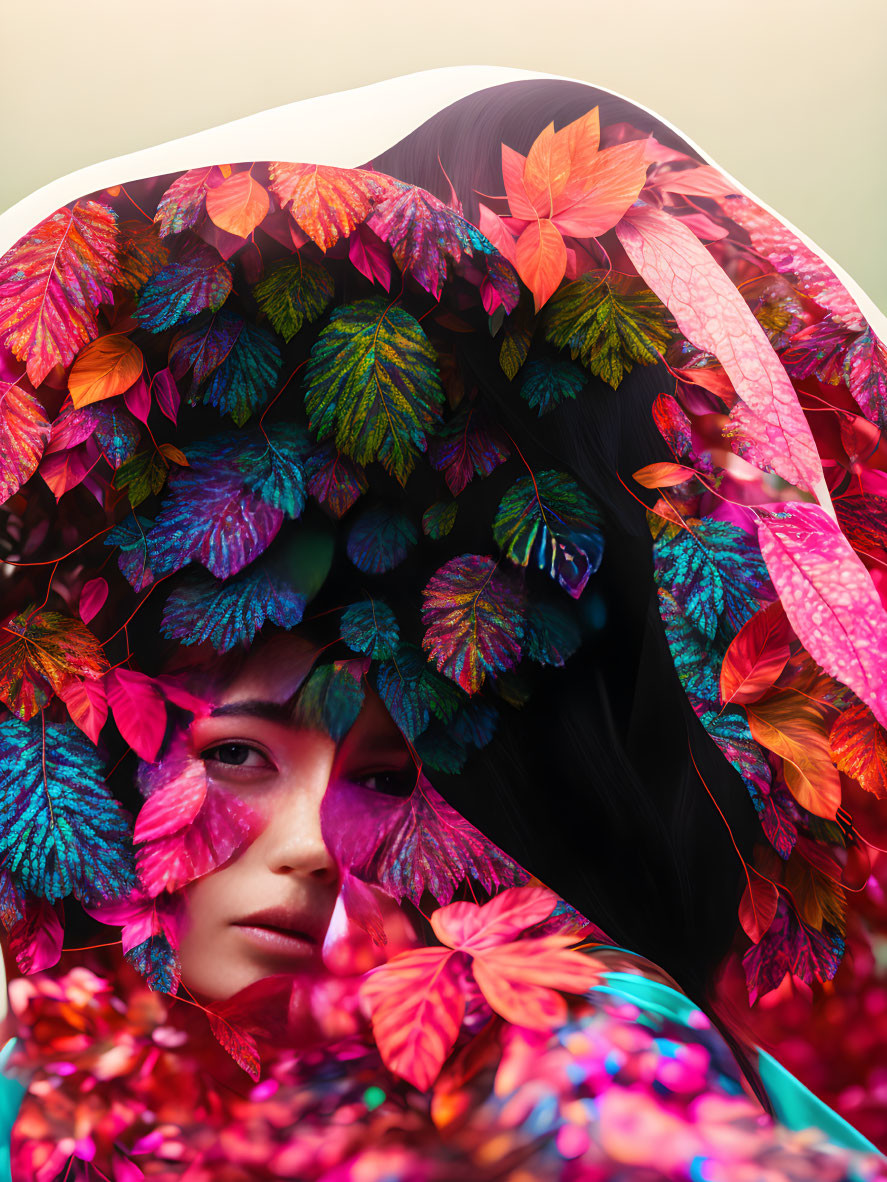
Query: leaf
[[144, 474], [167, 394], [546, 519], [92, 598], [198, 279], [674, 426], [139, 710], [295, 292], [757, 908], [380, 539], [858, 745], [61, 830], [714, 570], [829, 598], [238, 205], [475, 928], [600, 190], [516, 338], [158, 962], [105, 368], [541, 259], [87, 704], [791, 947], [52, 282], [608, 330], [756, 656], [141, 253], [183, 202], [402, 687], [416, 1005], [230, 613], [796, 729], [713, 316], [865, 372], [131, 536], [36, 941], [548, 384], [474, 620], [331, 699], [372, 381], [465, 446], [439, 518], [334, 480], [240, 1045], [116, 431], [239, 361], [42, 651], [552, 634], [273, 465], [662, 475], [327, 203], [371, 627], [24, 432]]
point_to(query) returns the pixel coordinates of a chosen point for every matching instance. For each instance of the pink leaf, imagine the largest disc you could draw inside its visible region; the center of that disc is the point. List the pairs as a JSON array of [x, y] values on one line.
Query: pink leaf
[[370, 255], [416, 1005], [176, 693], [515, 1000], [167, 394], [829, 598], [64, 470], [138, 399], [472, 927], [36, 941], [519, 979], [92, 598], [176, 803], [492, 227], [87, 704], [139, 710], [613, 183], [141, 917], [519, 202], [714, 317], [239, 1045], [865, 370], [24, 431]]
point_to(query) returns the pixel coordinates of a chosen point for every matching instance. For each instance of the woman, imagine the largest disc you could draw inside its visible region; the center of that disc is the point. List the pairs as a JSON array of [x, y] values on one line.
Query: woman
[[435, 719]]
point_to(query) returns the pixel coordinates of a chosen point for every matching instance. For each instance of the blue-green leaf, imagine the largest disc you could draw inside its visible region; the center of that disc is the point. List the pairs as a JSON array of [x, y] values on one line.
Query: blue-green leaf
[[371, 627], [380, 540], [199, 279], [547, 384], [439, 519], [131, 535], [247, 370], [331, 699], [230, 612], [552, 634]]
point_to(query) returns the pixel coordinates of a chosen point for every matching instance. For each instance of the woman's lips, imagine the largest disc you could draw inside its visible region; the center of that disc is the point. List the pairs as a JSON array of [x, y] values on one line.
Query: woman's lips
[[270, 939]]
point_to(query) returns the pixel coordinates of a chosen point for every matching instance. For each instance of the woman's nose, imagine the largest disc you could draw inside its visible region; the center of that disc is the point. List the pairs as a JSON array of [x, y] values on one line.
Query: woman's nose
[[292, 840]]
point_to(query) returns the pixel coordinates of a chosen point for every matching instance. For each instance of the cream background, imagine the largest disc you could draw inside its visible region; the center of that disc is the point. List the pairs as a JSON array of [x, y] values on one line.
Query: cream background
[[790, 96]]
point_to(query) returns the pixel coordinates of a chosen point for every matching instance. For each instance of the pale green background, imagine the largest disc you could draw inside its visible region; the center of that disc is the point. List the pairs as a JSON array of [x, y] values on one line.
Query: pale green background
[[789, 97]]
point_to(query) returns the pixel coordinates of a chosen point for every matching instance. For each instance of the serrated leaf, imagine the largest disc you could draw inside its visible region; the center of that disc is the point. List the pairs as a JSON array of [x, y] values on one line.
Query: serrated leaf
[[372, 382], [439, 518], [548, 384], [607, 330], [516, 338], [61, 830], [294, 293], [231, 612], [858, 745], [272, 465], [402, 687], [865, 372], [546, 519], [24, 432], [199, 278], [380, 539], [238, 362], [143, 475], [331, 699], [371, 627], [41, 651], [131, 536], [326, 202], [789, 946], [183, 202], [465, 446], [552, 634], [142, 253], [52, 282], [240, 1045], [474, 620], [115, 430], [335, 481], [158, 962]]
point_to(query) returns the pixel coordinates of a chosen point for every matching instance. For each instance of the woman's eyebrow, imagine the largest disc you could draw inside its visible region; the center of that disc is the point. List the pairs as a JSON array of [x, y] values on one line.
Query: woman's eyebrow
[[256, 708]]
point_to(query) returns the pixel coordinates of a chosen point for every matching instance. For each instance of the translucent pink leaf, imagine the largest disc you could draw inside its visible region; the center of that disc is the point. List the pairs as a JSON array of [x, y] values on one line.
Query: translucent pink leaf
[[517, 1001], [64, 470], [138, 399], [492, 227], [140, 916], [92, 598], [166, 392], [519, 979], [469, 926], [36, 941], [829, 598], [87, 704], [519, 202], [714, 317], [176, 693], [370, 255], [865, 370], [139, 710], [24, 431], [416, 1005], [176, 801]]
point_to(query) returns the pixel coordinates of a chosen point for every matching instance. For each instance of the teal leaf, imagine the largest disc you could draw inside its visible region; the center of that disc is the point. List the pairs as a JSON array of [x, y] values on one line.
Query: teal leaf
[[197, 280], [115, 429], [274, 466], [131, 535], [548, 384], [439, 519], [552, 634], [294, 292], [230, 612], [412, 691], [158, 962], [331, 699], [334, 480], [437, 748], [371, 627], [475, 723], [372, 382], [548, 521], [380, 539], [61, 830]]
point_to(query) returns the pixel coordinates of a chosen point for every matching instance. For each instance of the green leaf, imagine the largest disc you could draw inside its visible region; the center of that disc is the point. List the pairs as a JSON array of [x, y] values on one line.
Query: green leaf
[[547, 384], [606, 329], [371, 627], [145, 474], [372, 382], [331, 699], [293, 294], [439, 519]]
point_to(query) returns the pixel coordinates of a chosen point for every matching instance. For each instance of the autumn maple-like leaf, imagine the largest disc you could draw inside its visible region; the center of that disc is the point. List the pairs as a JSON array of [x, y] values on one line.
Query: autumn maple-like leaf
[[474, 620], [829, 598], [106, 367], [327, 203], [714, 317], [52, 282], [42, 651], [790, 946], [798, 731], [858, 745], [24, 432], [294, 292], [239, 204], [372, 383], [61, 830]]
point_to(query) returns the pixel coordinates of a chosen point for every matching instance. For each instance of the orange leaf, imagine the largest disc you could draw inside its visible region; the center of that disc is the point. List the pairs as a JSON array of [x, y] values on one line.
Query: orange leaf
[[614, 181], [795, 728], [859, 748], [519, 202], [581, 139], [757, 909], [172, 453], [757, 655], [662, 475], [44, 648], [541, 259], [326, 202], [520, 980], [547, 170], [106, 367], [238, 204], [471, 927]]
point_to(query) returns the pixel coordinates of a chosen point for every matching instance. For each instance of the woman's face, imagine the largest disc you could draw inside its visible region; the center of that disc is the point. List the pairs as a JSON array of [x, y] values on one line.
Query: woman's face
[[267, 910]]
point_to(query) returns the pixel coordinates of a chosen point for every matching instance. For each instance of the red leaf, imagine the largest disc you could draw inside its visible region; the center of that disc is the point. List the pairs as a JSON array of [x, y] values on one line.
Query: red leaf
[[64, 470], [756, 656], [24, 431], [865, 371], [139, 710], [796, 730], [416, 1005], [87, 705], [167, 394], [138, 399], [371, 256], [239, 1045], [36, 942], [757, 909], [92, 598], [859, 748], [43, 649]]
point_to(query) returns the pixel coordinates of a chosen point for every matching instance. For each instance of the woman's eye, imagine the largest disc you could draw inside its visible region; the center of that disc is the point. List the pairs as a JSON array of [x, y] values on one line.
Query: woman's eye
[[235, 755], [393, 782]]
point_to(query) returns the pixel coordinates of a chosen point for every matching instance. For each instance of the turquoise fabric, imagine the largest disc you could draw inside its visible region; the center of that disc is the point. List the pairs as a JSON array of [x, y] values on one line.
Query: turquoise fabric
[[11, 1092]]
